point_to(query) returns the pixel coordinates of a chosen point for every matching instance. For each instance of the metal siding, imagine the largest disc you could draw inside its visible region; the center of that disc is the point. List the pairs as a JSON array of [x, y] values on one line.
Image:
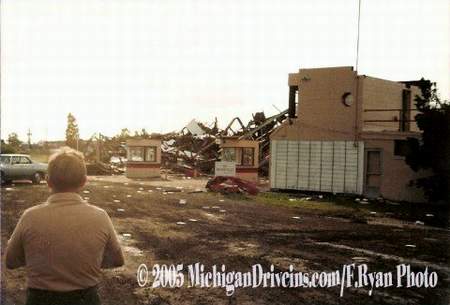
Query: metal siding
[[292, 169], [328, 166], [280, 173], [314, 164], [303, 165]]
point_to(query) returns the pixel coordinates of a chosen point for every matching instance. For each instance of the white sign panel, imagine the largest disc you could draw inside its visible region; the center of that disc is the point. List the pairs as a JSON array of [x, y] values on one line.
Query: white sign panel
[[225, 168]]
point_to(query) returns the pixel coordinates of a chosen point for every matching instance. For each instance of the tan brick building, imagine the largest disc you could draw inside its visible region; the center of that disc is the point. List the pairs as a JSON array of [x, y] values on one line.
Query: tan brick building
[[346, 134]]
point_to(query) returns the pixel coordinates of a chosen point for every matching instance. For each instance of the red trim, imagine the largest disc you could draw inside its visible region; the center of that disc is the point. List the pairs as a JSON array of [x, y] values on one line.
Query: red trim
[[143, 165], [246, 170]]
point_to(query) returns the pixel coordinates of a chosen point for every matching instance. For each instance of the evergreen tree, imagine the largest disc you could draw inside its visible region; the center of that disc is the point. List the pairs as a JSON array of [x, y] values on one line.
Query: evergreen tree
[[72, 134]]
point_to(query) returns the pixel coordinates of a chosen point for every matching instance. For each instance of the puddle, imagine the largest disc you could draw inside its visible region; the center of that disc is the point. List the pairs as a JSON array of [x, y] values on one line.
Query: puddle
[[360, 259], [86, 192], [193, 220], [296, 217], [181, 223], [116, 200], [212, 216], [132, 250], [431, 239], [244, 248], [182, 201], [120, 210], [128, 196]]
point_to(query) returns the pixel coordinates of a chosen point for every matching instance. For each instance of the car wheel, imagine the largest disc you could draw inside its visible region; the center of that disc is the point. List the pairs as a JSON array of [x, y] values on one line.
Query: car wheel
[[4, 181], [37, 178]]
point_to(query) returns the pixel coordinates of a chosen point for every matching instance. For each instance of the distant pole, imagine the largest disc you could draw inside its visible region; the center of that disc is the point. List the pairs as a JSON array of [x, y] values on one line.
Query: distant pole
[[357, 37], [29, 138]]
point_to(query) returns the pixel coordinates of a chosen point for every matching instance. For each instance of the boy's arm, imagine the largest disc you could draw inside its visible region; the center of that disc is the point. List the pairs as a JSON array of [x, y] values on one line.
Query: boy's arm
[[15, 254], [112, 256]]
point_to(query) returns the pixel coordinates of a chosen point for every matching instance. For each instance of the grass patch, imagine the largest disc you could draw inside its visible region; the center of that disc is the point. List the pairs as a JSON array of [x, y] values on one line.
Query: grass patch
[[321, 206], [346, 206]]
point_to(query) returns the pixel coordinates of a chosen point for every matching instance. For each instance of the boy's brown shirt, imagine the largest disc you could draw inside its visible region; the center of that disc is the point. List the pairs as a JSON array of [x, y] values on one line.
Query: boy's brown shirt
[[63, 244]]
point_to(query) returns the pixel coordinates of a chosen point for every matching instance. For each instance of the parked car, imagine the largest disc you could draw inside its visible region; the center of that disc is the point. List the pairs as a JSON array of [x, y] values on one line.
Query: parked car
[[18, 166]]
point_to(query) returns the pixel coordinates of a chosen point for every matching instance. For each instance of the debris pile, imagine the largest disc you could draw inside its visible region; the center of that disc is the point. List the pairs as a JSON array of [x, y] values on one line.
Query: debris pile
[[192, 151], [229, 185]]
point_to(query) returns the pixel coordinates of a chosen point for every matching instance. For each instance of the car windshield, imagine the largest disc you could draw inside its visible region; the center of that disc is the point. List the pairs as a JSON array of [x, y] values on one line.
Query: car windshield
[[5, 159]]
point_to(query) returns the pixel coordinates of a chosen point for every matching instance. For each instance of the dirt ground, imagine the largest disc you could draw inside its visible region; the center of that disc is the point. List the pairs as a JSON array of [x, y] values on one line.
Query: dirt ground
[[239, 231]]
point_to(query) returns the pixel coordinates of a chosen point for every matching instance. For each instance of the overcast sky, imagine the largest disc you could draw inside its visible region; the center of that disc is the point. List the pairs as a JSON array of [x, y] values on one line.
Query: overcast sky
[[157, 64]]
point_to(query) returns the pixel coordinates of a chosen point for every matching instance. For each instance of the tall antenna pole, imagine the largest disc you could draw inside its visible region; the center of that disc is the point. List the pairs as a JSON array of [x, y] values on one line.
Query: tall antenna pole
[[357, 37]]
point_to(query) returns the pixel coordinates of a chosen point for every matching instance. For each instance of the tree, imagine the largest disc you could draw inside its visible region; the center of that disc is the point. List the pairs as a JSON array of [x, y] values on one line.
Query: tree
[[432, 151], [7, 148], [14, 142], [72, 134], [124, 135]]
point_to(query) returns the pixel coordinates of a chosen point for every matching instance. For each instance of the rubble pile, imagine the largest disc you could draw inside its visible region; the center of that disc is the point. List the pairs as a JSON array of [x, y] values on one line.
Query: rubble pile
[[192, 151]]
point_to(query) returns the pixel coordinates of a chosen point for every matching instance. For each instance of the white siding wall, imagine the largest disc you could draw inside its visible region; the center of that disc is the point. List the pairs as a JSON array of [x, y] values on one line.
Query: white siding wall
[[326, 166]]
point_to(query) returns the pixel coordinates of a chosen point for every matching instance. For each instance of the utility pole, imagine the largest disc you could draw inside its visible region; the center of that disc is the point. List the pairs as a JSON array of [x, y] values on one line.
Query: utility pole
[[357, 37], [29, 138]]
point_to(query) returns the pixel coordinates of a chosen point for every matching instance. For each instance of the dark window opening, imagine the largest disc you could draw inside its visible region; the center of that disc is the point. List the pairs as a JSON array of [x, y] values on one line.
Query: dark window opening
[[293, 101], [402, 148]]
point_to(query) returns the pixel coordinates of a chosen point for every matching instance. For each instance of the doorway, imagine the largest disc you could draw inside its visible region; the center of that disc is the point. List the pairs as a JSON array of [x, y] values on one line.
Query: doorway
[[374, 172]]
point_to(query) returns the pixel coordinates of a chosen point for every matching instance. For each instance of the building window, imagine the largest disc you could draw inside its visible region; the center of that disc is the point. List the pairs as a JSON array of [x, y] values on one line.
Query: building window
[[150, 154], [248, 156], [244, 156], [141, 154], [229, 154], [136, 154], [402, 148]]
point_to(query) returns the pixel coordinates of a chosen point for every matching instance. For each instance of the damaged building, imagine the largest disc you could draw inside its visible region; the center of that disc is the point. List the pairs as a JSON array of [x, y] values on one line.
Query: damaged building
[[143, 158], [346, 133]]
